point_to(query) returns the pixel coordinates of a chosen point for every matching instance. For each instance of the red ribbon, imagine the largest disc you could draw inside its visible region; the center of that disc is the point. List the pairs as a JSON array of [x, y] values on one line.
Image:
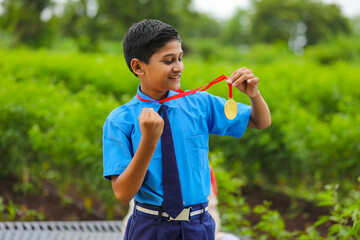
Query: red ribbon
[[230, 90], [183, 93]]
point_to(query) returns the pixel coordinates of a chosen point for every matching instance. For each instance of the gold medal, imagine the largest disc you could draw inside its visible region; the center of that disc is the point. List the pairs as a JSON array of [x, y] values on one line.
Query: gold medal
[[230, 109]]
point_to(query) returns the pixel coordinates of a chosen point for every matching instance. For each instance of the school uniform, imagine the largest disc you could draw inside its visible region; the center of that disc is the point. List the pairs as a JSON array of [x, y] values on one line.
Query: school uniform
[[192, 119]]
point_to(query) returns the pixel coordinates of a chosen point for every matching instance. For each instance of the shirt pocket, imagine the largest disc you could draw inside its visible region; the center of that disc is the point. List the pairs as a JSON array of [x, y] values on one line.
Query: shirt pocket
[[198, 151]]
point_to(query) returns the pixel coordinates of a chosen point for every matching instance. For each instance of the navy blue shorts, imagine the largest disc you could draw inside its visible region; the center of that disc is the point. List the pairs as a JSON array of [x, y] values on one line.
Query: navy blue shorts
[[144, 226]]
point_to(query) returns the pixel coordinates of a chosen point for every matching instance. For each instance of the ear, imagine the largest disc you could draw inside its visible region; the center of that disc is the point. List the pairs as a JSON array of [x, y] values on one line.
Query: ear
[[137, 66]]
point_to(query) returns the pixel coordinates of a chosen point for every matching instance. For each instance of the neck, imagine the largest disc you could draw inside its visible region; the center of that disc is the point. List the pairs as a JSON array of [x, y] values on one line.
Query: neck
[[157, 96]]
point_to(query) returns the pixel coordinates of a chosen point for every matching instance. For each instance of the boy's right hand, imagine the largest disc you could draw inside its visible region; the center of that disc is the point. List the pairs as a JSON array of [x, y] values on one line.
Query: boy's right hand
[[151, 125]]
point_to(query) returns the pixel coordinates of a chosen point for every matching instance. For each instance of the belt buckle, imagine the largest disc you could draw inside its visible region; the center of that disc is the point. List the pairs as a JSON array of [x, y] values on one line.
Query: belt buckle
[[183, 216]]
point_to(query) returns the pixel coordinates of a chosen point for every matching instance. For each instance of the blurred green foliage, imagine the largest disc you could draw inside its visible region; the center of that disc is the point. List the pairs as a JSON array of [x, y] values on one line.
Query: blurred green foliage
[[22, 19], [54, 104], [14, 212], [90, 22], [279, 19]]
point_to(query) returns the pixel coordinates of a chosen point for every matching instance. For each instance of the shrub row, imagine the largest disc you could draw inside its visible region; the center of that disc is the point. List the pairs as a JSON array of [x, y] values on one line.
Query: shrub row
[[107, 73], [50, 133], [54, 105]]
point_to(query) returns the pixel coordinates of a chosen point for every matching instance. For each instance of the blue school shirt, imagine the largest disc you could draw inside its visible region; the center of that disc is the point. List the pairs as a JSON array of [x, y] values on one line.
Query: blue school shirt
[[192, 119]]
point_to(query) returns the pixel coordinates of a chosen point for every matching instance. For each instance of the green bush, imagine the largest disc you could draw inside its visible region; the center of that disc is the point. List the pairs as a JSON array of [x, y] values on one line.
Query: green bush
[[341, 49], [107, 73], [53, 105], [50, 133]]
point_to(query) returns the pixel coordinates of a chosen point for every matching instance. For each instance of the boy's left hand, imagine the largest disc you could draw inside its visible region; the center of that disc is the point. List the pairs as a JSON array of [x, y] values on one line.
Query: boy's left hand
[[245, 81]]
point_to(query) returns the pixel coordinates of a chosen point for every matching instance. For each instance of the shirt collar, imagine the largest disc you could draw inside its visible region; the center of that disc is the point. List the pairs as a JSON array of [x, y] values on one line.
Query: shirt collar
[[155, 105]]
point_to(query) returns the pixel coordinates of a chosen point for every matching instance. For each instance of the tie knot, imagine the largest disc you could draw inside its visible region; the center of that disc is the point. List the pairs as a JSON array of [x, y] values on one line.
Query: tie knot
[[164, 108]]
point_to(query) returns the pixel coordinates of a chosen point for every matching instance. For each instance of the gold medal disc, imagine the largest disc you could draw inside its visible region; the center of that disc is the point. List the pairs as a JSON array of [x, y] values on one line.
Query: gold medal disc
[[230, 109]]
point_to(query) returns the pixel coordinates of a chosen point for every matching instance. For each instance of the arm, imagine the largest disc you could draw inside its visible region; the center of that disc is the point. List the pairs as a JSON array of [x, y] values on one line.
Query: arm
[[260, 114], [126, 185], [247, 83]]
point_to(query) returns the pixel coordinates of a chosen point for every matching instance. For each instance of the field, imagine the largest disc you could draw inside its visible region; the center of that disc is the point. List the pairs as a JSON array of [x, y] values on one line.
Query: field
[[54, 103]]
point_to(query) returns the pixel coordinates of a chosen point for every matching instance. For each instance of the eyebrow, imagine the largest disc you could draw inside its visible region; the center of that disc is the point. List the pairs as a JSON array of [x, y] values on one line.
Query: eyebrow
[[171, 54]]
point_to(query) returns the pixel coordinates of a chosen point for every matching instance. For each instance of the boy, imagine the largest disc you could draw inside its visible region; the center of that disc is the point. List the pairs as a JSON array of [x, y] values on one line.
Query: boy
[[157, 152]]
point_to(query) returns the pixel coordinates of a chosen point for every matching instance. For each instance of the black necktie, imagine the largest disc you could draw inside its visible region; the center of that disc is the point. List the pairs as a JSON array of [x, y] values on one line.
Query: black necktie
[[173, 203]]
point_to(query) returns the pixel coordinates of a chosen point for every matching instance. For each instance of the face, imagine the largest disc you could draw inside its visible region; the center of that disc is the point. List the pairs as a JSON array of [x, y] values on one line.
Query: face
[[163, 71]]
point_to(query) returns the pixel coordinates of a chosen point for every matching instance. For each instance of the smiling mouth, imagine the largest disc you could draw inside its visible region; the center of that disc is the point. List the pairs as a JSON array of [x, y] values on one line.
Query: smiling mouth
[[175, 77]]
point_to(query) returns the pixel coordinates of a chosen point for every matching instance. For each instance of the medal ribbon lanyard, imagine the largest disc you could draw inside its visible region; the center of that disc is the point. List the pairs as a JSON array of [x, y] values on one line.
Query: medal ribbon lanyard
[[199, 89]]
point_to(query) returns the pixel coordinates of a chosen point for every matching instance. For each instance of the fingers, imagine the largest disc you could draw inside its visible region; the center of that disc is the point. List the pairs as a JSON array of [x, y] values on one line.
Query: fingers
[[239, 76], [235, 74], [145, 113], [151, 125], [149, 115], [243, 78], [253, 81]]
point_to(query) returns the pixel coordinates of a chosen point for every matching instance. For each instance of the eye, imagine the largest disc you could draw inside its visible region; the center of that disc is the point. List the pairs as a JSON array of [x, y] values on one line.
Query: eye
[[171, 61]]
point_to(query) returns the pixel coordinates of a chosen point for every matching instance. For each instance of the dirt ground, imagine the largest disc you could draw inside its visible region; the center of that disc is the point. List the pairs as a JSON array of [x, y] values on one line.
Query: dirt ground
[[45, 202], [54, 209]]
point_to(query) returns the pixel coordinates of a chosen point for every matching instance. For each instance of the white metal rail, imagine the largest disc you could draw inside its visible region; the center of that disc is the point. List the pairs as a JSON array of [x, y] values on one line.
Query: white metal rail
[[57, 230]]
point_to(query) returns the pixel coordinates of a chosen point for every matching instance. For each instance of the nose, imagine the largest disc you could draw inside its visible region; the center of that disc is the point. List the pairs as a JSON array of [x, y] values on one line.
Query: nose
[[178, 67]]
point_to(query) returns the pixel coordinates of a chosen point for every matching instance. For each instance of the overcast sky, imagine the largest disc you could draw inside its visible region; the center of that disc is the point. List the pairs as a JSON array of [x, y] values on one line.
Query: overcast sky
[[224, 8]]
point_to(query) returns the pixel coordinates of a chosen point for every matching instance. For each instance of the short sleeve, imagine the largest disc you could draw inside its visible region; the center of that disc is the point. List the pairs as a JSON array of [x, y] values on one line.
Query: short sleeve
[[117, 148], [218, 123]]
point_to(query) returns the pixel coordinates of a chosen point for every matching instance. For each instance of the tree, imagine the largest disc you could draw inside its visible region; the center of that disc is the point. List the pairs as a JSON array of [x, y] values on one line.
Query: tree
[[22, 19], [119, 15], [113, 18], [82, 24], [355, 25], [237, 29], [91, 21], [287, 19]]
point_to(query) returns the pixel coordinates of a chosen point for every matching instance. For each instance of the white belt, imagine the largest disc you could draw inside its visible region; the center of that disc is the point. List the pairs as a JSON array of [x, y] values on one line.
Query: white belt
[[183, 216]]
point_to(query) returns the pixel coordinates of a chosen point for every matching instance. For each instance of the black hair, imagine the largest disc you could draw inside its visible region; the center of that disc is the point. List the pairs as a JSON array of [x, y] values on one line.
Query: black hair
[[145, 38]]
